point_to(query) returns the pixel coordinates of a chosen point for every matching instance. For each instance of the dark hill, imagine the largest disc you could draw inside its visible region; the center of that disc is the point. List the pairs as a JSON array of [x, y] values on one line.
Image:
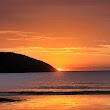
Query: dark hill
[[17, 63]]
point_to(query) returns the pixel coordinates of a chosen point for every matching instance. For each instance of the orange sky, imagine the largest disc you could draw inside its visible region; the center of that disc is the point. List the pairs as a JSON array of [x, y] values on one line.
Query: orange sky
[[70, 34]]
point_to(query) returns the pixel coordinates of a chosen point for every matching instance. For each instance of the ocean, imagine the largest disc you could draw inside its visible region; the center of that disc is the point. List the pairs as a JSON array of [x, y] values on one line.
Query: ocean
[[55, 81], [55, 91]]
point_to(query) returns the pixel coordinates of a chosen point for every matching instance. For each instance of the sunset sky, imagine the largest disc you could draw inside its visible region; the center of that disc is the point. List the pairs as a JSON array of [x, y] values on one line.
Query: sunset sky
[[68, 34]]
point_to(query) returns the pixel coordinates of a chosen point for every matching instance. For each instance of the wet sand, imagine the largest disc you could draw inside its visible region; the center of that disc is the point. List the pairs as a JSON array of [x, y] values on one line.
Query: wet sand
[[57, 102]]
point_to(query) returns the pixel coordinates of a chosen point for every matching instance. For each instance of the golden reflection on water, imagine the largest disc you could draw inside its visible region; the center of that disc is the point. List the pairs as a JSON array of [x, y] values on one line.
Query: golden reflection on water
[[92, 102]]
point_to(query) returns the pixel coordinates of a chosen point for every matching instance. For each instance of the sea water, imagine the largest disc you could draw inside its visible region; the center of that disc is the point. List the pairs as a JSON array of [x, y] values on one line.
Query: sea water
[[55, 81], [59, 82]]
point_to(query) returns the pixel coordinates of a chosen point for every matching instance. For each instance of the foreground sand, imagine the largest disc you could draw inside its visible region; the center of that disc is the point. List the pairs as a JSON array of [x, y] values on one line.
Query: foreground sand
[[58, 102]]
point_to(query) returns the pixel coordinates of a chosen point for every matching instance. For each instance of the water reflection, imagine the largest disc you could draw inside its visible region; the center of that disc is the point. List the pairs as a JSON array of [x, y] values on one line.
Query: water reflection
[[101, 102]]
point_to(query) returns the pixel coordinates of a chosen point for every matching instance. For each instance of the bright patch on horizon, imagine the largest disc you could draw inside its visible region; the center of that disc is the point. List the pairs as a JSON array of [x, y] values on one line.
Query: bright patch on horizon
[[59, 69]]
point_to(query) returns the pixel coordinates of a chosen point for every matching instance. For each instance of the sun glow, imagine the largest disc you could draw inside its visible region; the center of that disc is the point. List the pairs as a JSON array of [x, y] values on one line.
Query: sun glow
[[59, 69]]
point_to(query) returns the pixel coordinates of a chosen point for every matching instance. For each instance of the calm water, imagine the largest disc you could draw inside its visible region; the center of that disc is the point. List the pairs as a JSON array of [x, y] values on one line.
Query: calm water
[[55, 81]]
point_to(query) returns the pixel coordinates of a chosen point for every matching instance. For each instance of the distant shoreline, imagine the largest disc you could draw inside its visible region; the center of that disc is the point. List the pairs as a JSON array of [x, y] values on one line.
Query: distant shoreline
[[56, 93], [87, 71], [59, 71]]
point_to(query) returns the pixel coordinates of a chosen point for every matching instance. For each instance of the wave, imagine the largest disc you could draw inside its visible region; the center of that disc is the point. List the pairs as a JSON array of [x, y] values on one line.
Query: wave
[[74, 87], [56, 93]]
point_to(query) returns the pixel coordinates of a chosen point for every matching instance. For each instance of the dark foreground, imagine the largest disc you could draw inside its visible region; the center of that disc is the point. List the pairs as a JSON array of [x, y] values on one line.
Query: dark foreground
[[8, 100]]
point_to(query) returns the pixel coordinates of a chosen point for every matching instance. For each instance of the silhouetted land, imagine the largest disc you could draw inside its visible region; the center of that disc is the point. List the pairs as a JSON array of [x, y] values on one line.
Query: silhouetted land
[[17, 63]]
